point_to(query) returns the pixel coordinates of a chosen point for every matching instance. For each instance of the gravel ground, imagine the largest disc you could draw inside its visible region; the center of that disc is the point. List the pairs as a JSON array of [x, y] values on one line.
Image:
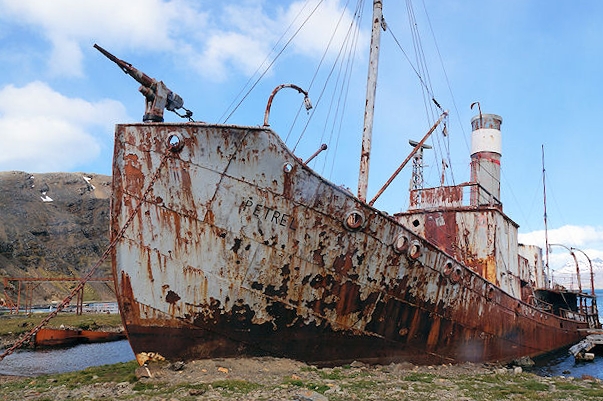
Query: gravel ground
[[284, 379]]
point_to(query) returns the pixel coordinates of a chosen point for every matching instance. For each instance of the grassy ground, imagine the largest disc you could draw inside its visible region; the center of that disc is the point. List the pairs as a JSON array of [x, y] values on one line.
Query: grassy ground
[[118, 382], [11, 325]]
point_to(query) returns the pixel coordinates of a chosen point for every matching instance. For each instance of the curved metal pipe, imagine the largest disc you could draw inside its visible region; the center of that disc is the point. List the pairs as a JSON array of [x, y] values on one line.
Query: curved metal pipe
[[307, 102]]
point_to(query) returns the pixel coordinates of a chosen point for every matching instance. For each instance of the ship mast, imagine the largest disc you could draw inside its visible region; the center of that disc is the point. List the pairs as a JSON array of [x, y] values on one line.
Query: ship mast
[[371, 89], [546, 231]]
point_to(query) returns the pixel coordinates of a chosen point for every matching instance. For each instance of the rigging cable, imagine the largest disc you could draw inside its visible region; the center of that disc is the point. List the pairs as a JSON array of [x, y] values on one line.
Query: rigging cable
[[454, 104], [346, 88], [422, 74], [322, 59], [429, 110], [329, 75], [274, 60]]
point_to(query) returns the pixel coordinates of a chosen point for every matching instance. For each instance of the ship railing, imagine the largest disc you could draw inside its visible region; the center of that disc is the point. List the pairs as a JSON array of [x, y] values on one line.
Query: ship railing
[[469, 194], [590, 309], [573, 315], [543, 305]]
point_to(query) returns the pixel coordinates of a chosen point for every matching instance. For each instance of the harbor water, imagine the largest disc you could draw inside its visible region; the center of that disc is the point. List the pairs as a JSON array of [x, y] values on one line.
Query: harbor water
[[30, 362], [51, 361]]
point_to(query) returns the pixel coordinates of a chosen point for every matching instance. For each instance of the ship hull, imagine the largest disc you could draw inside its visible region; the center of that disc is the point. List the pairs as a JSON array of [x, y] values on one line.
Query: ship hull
[[234, 247]]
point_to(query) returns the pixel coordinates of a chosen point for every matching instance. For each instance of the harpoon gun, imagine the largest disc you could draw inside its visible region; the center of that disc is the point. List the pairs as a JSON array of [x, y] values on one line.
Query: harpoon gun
[[157, 95]]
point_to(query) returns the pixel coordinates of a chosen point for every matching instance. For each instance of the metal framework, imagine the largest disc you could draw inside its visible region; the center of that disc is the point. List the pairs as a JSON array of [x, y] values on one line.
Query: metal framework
[[26, 285]]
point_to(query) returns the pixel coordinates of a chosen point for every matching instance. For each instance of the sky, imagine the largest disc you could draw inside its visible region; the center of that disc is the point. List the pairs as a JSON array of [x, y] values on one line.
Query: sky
[[535, 63]]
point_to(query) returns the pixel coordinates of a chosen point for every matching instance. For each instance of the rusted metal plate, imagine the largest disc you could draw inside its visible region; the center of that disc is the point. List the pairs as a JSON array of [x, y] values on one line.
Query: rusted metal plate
[[240, 249]]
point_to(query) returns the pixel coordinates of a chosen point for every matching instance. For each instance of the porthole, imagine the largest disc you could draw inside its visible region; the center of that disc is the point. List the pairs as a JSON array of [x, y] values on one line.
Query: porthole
[[489, 292], [414, 250], [175, 143], [456, 275], [401, 243], [354, 220], [287, 167], [448, 268]]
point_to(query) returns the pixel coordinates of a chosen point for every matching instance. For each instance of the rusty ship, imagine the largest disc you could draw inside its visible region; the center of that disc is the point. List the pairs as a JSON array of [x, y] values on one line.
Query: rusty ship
[[228, 244]]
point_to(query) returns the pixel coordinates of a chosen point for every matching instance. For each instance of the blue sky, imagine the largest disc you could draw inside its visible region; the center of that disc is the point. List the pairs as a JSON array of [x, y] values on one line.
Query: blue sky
[[535, 63]]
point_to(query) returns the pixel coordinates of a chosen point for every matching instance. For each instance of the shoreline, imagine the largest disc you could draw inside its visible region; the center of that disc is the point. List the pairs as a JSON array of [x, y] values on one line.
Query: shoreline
[[266, 378]]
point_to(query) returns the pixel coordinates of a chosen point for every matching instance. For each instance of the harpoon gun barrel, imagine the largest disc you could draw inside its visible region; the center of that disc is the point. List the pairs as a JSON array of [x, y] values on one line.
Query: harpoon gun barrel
[[157, 95]]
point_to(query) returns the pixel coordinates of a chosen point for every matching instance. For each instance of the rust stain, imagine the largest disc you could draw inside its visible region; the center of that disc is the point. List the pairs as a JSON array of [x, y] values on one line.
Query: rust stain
[[241, 279], [172, 297]]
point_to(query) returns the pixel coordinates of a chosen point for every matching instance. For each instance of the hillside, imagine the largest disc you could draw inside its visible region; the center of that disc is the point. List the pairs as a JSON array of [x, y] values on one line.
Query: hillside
[[54, 225], [566, 276]]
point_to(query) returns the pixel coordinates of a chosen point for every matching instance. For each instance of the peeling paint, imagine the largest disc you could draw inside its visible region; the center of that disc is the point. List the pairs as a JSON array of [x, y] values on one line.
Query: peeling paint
[[233, 254]]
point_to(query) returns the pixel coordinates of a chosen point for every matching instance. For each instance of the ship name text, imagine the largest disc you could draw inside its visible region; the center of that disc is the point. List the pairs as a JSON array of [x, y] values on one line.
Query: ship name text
[[268, 213]]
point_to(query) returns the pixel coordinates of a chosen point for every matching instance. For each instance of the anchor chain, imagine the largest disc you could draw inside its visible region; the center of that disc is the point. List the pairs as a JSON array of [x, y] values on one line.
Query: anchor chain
[[88, 276]]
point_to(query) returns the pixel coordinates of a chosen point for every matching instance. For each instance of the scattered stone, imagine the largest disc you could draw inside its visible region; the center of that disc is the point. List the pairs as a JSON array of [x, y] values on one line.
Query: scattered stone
[[176, 366], [518, 370], [143, 372], [357, 364], [196, 392], [525, 362], [335, 389], [308, 395], [283, 379]]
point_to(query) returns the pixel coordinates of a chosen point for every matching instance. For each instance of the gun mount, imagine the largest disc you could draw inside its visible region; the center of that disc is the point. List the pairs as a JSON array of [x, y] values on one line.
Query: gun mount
[[158, 96]]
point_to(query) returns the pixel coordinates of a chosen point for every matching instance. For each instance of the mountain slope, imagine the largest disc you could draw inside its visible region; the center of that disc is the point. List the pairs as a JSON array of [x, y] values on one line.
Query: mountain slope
[[566, 276], [54, 225]]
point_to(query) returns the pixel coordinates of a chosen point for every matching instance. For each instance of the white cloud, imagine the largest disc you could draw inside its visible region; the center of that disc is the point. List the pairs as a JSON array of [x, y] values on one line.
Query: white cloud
[[589, 239], [329, 18], [68, 25], [237, 37], [42, 130], [568, 235], [244, 35]]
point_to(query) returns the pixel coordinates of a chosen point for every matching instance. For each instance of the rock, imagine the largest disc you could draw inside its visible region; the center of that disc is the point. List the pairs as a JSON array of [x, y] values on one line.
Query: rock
[[308, 395], [176, 366], [143, 372], [335, 389], [357, 364], [517, 370], [525, 362], [196, 392]]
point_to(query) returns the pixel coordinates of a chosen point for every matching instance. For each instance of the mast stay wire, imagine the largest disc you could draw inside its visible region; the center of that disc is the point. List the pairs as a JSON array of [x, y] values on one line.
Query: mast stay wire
[[454, 104], [330, 74], [444, 148], [347, 82], [316, 71], [423, 76], [276, 57], [339, 80], [440, 145]]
